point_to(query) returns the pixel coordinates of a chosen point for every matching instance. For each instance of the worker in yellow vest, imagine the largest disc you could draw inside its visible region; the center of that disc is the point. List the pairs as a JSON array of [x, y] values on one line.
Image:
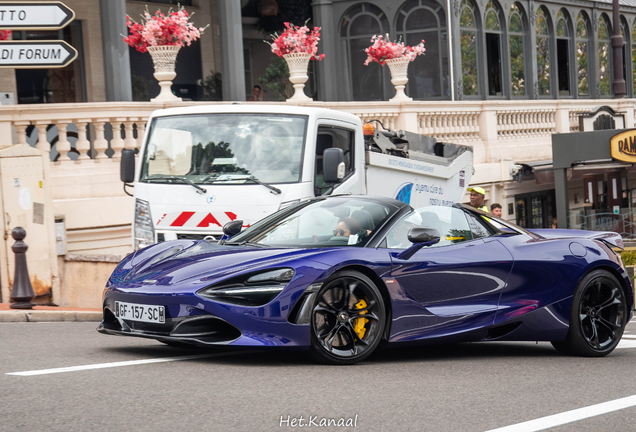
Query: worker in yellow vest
[[477, 197]]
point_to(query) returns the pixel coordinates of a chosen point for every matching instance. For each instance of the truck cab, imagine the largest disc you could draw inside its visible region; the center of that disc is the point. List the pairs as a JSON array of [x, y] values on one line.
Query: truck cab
[[201, 167]]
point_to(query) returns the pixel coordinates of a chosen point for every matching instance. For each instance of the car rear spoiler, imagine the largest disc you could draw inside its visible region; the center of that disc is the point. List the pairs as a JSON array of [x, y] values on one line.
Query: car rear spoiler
[[609, 237]]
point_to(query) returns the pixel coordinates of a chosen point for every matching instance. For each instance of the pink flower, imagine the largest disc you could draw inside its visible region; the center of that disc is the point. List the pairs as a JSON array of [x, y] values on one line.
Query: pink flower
[[159, 29], [383, 49], [297, 40]]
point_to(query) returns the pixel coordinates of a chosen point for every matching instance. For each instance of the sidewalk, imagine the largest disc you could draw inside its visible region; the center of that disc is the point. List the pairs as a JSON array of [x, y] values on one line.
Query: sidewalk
[[48, 314]]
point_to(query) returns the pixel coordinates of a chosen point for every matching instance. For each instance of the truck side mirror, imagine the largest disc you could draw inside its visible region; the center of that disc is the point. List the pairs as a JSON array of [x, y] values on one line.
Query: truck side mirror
[[127, 166], [333, 166]]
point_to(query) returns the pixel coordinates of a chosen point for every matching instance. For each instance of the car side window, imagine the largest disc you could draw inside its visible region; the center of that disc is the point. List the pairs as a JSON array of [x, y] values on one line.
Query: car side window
[[477, 228], [332, 137], [451, 224]]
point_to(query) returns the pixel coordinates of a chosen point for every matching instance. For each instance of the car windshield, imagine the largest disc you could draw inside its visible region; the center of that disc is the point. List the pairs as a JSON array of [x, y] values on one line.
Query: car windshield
[[337, 221], [225, 148]]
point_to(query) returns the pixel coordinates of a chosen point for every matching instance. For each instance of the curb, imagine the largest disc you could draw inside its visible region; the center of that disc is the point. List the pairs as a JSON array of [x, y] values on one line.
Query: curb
[[49, 316]]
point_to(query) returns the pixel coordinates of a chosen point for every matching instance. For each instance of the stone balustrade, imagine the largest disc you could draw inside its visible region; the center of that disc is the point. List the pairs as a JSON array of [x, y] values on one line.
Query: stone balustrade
[[85, 142]]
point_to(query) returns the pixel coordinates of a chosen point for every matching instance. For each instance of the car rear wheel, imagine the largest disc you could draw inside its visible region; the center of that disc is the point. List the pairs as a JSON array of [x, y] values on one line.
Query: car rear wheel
[[347, 320], [598, 316]]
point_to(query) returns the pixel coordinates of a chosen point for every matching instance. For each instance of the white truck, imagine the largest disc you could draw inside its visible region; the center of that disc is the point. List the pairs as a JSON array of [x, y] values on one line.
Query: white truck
[[200, 167]]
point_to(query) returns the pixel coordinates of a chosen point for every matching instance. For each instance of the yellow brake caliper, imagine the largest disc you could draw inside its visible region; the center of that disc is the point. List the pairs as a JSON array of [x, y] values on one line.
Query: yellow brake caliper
[[359, 323]]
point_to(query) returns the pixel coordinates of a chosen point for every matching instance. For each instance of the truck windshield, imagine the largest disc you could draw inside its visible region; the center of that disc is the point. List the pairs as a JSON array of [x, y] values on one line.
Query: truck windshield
[[225, 148]]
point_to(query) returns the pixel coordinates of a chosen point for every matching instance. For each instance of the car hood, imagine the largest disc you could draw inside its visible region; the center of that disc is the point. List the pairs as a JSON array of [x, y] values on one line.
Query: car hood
[[175, 262]]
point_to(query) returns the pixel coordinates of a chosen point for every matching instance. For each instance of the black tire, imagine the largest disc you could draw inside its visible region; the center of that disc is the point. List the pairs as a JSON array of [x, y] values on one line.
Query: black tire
[[336, 308], [598, 316]]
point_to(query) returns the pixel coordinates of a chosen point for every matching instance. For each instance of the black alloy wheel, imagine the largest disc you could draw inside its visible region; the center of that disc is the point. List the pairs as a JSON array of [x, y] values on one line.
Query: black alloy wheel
[[598, 316], [347, 320]]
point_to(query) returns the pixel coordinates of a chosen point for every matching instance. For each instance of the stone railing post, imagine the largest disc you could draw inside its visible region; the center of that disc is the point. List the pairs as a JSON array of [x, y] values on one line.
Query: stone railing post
[[141, 127], [83, 146], [129, 141], [42, 143], [117, 143], [63, 146], [21, 127], [100, 144]]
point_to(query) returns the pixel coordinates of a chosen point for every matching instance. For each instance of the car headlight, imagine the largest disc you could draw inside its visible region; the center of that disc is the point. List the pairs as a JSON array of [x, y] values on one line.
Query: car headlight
[[254, 289], [144, 230]]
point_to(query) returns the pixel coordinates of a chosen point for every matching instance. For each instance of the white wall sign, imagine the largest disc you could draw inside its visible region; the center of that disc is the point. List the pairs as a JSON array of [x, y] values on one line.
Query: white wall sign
[[33, 54], [34, 15]]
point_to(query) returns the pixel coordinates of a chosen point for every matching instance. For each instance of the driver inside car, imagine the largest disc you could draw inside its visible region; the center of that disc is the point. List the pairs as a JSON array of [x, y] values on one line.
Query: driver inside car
[[346, 226]]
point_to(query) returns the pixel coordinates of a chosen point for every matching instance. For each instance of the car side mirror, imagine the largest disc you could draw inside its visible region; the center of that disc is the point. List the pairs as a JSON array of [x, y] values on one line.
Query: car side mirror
[[233, 228], [420, 237], [127, 166], [333, 166], [423, 235]]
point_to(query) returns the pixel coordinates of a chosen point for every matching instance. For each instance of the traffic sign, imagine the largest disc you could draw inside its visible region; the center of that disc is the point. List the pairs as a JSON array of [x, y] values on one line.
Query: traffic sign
[[44, 15], [36, 54]]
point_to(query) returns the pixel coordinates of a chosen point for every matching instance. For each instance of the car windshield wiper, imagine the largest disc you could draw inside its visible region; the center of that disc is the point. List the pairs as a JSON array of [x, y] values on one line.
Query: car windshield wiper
[[182, 179], [249, 243], [250, 179]]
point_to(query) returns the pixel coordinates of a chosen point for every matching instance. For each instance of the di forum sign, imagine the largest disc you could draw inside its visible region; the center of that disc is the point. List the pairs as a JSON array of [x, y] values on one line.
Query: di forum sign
[[35, 16]]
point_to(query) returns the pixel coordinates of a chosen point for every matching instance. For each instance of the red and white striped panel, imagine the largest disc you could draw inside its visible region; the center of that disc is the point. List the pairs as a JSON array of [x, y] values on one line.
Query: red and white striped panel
[[190, 219]]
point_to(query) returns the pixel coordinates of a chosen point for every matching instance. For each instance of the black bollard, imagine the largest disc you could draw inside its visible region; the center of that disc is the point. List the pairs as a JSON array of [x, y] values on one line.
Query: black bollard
[[22, 291]]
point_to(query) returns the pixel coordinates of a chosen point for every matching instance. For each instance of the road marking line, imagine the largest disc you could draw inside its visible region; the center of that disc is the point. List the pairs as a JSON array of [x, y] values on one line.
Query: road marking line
[[624, 343], [570, 416], [118, 364]]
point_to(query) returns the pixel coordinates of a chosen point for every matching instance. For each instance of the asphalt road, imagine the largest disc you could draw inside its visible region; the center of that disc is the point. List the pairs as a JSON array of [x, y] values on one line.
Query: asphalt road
[[464, 387]]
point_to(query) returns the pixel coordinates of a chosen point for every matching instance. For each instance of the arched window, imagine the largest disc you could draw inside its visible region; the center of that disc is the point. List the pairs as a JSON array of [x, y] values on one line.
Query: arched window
[[419, 20], [516, 30], [563, 32], [604, 31], [543, 52], [357, 26], [493, 48], [582, 53], [468, 41]]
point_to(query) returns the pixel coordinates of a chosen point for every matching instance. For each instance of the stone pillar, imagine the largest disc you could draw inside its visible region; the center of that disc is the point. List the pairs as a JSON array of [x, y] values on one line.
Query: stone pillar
[[116, 60], [562, 118], [326, 69], [232, 50]]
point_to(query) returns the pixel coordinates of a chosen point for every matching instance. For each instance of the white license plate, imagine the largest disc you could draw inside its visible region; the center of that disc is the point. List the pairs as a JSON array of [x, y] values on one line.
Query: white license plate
[[140, 312]]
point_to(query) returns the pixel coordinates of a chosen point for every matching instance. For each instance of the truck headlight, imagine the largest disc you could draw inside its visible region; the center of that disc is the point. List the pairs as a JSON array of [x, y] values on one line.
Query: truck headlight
[[144, 231], [254, 289]]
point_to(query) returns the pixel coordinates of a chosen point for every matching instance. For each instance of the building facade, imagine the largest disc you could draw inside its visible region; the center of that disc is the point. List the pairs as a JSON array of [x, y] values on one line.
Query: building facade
[[483, 57]]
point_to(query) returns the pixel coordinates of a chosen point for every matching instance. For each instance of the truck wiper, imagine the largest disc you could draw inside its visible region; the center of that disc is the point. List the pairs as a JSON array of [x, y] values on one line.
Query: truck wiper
[[253, 180], [183, 179]]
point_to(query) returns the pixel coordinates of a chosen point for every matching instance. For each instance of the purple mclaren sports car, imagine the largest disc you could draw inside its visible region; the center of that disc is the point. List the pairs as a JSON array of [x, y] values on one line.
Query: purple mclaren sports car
[[341, 275]]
